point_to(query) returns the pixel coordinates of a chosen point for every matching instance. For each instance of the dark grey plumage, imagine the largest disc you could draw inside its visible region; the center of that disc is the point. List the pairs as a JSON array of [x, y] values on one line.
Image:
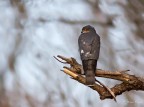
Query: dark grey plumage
[[89, 48]]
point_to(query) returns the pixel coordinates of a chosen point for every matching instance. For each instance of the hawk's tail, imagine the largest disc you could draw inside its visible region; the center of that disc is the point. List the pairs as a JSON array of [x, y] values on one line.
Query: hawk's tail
[[89, 67], [90, 79]]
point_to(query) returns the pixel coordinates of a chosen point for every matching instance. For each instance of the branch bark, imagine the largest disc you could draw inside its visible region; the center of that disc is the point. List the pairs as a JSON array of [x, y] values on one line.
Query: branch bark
[[129, 82]]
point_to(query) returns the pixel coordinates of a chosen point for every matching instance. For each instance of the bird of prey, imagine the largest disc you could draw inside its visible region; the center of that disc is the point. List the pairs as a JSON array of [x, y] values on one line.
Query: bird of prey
[[89, 48]]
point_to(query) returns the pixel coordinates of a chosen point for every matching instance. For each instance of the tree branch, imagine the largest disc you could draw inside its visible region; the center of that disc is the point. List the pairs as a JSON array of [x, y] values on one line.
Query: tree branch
[[129, 82]]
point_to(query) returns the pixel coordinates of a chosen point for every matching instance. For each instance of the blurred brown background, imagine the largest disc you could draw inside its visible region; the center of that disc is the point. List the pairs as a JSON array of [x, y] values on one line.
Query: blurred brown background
[[33, 31]]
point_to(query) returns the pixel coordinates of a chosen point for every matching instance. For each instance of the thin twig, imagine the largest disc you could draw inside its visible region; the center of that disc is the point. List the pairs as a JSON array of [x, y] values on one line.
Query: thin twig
[[107, 89], [60, 60]]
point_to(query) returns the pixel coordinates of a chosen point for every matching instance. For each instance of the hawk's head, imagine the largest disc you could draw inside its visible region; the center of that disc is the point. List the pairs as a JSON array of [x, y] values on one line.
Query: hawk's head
[[87, 29]]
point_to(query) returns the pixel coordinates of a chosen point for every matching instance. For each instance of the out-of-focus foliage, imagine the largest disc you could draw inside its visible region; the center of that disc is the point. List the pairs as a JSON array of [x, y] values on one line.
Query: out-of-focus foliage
[[33, 31]]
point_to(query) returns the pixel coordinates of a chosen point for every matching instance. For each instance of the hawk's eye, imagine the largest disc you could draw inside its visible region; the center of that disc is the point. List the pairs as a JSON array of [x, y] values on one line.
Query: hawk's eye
[[85, 30]]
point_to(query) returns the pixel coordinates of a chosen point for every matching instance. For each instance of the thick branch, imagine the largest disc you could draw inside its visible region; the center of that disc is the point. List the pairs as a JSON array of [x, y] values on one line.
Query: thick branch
[[129, 82]]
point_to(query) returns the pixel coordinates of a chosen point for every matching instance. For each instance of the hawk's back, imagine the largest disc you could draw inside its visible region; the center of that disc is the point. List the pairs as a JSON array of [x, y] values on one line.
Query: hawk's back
[[89, 45]]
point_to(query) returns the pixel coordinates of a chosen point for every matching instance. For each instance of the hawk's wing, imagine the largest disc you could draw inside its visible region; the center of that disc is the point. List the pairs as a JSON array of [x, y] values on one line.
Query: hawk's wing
[[84, 43], [95, 46]]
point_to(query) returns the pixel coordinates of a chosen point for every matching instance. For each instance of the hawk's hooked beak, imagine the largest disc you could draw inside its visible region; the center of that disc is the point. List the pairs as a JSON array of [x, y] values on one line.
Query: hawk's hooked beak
[[84, 31]]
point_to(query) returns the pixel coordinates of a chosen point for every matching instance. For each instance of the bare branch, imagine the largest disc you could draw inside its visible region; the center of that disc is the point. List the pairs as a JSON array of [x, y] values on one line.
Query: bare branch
[[129, 82]]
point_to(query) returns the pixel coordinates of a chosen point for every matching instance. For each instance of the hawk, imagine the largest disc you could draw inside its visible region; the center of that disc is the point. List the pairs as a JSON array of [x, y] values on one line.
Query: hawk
[[89, 48]]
